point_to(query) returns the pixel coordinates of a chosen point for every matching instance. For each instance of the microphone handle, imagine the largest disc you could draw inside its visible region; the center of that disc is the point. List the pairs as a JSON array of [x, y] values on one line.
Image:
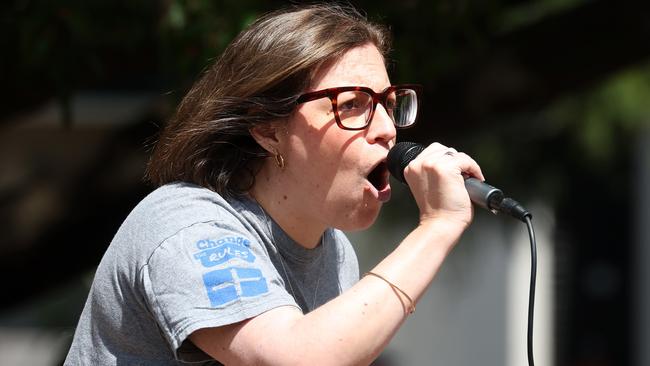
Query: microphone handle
[[483, 194], [492, 199]]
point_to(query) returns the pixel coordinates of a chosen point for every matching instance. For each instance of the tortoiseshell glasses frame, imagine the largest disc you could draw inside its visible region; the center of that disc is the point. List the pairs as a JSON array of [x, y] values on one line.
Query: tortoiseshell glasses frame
[[354, 106]]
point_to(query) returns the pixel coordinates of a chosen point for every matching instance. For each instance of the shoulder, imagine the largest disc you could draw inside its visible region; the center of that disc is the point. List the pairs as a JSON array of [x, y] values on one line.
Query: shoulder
[[178, 205], [169, 211], [182, 198]]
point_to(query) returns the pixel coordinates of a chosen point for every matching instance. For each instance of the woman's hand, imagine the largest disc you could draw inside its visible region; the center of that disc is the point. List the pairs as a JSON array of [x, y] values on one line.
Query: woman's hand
[[436, 178]]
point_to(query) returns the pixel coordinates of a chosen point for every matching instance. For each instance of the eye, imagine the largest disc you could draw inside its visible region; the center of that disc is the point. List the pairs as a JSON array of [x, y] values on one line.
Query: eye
[[352, 101]]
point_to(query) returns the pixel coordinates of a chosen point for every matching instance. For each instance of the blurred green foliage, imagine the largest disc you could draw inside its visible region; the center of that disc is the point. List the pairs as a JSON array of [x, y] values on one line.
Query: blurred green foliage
[[620, 103], [192, 33]]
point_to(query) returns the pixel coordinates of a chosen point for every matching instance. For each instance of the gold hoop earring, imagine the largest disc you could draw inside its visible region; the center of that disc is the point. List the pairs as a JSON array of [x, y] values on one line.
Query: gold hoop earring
[[279, 160]]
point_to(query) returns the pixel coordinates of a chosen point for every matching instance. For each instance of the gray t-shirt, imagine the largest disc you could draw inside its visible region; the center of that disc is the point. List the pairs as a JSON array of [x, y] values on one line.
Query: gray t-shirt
[[186, 259]]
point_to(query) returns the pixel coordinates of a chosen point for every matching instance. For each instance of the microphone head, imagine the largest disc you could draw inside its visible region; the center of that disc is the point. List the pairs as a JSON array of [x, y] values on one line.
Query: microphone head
[[400, 156]]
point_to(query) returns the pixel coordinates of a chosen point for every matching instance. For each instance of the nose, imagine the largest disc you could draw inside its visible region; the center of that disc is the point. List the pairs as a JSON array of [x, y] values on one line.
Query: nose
[[382, 128]]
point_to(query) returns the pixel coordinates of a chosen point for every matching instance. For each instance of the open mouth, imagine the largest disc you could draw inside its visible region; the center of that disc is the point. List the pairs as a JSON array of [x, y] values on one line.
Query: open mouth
[[378, 177]]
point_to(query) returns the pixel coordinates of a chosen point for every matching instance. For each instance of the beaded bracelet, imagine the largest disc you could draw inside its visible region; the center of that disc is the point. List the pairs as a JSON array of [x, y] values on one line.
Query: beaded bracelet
[[411, 307]]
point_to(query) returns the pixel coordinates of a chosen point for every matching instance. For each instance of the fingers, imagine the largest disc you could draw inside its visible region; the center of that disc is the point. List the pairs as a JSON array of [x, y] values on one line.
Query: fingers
[[436, 179], [439, 155], [468, 166]]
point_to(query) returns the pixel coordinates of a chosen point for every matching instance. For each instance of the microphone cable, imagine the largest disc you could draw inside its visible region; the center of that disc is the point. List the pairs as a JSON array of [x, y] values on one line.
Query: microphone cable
[[497, 203], [493, 199], [531, 292]]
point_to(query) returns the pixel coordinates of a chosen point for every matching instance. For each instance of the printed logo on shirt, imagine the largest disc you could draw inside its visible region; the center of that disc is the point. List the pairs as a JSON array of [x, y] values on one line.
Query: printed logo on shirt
[[226, 285], [215, 252]]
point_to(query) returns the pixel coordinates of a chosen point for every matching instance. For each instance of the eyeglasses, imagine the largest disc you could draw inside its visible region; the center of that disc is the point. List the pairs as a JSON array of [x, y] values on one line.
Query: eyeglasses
[[354, 106]]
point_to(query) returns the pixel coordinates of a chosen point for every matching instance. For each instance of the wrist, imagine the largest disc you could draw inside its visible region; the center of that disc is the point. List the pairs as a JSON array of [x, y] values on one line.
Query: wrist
[[448, 221], [447, 229]]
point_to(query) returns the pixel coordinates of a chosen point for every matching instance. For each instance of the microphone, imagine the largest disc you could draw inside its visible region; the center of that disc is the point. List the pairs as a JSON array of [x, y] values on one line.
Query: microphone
[[480, 193]]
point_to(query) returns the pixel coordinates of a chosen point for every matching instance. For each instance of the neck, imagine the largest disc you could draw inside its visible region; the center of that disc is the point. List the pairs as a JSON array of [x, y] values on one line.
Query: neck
[[286, 208]]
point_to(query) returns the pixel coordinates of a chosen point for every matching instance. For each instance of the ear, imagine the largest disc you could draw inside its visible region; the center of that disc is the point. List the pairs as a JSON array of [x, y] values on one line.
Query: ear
[[268, 136]]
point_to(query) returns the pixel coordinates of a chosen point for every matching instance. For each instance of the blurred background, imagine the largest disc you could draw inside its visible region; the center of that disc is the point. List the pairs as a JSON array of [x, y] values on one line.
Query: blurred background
[[551, 97]]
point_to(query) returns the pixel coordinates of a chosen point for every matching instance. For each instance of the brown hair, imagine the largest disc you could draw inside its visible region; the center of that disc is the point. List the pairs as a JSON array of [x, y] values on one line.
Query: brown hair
[[257, 80]]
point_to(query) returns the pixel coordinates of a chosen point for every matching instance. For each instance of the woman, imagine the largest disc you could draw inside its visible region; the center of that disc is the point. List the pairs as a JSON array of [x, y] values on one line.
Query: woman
[[238, 255]]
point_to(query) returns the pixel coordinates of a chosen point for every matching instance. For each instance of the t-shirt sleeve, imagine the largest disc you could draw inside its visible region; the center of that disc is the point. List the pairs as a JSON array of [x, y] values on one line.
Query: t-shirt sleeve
[[209, 275]]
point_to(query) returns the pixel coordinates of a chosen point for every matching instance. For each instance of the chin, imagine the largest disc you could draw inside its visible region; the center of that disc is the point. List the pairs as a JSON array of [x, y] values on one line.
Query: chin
[[361, 219]]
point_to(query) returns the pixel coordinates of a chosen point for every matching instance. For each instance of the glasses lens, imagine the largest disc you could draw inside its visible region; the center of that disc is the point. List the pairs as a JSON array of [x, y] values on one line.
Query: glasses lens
[[354, 108], [405, 107]]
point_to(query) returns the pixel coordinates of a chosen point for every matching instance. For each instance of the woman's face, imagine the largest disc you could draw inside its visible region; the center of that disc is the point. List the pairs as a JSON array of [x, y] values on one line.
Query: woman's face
[[333, 176]]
